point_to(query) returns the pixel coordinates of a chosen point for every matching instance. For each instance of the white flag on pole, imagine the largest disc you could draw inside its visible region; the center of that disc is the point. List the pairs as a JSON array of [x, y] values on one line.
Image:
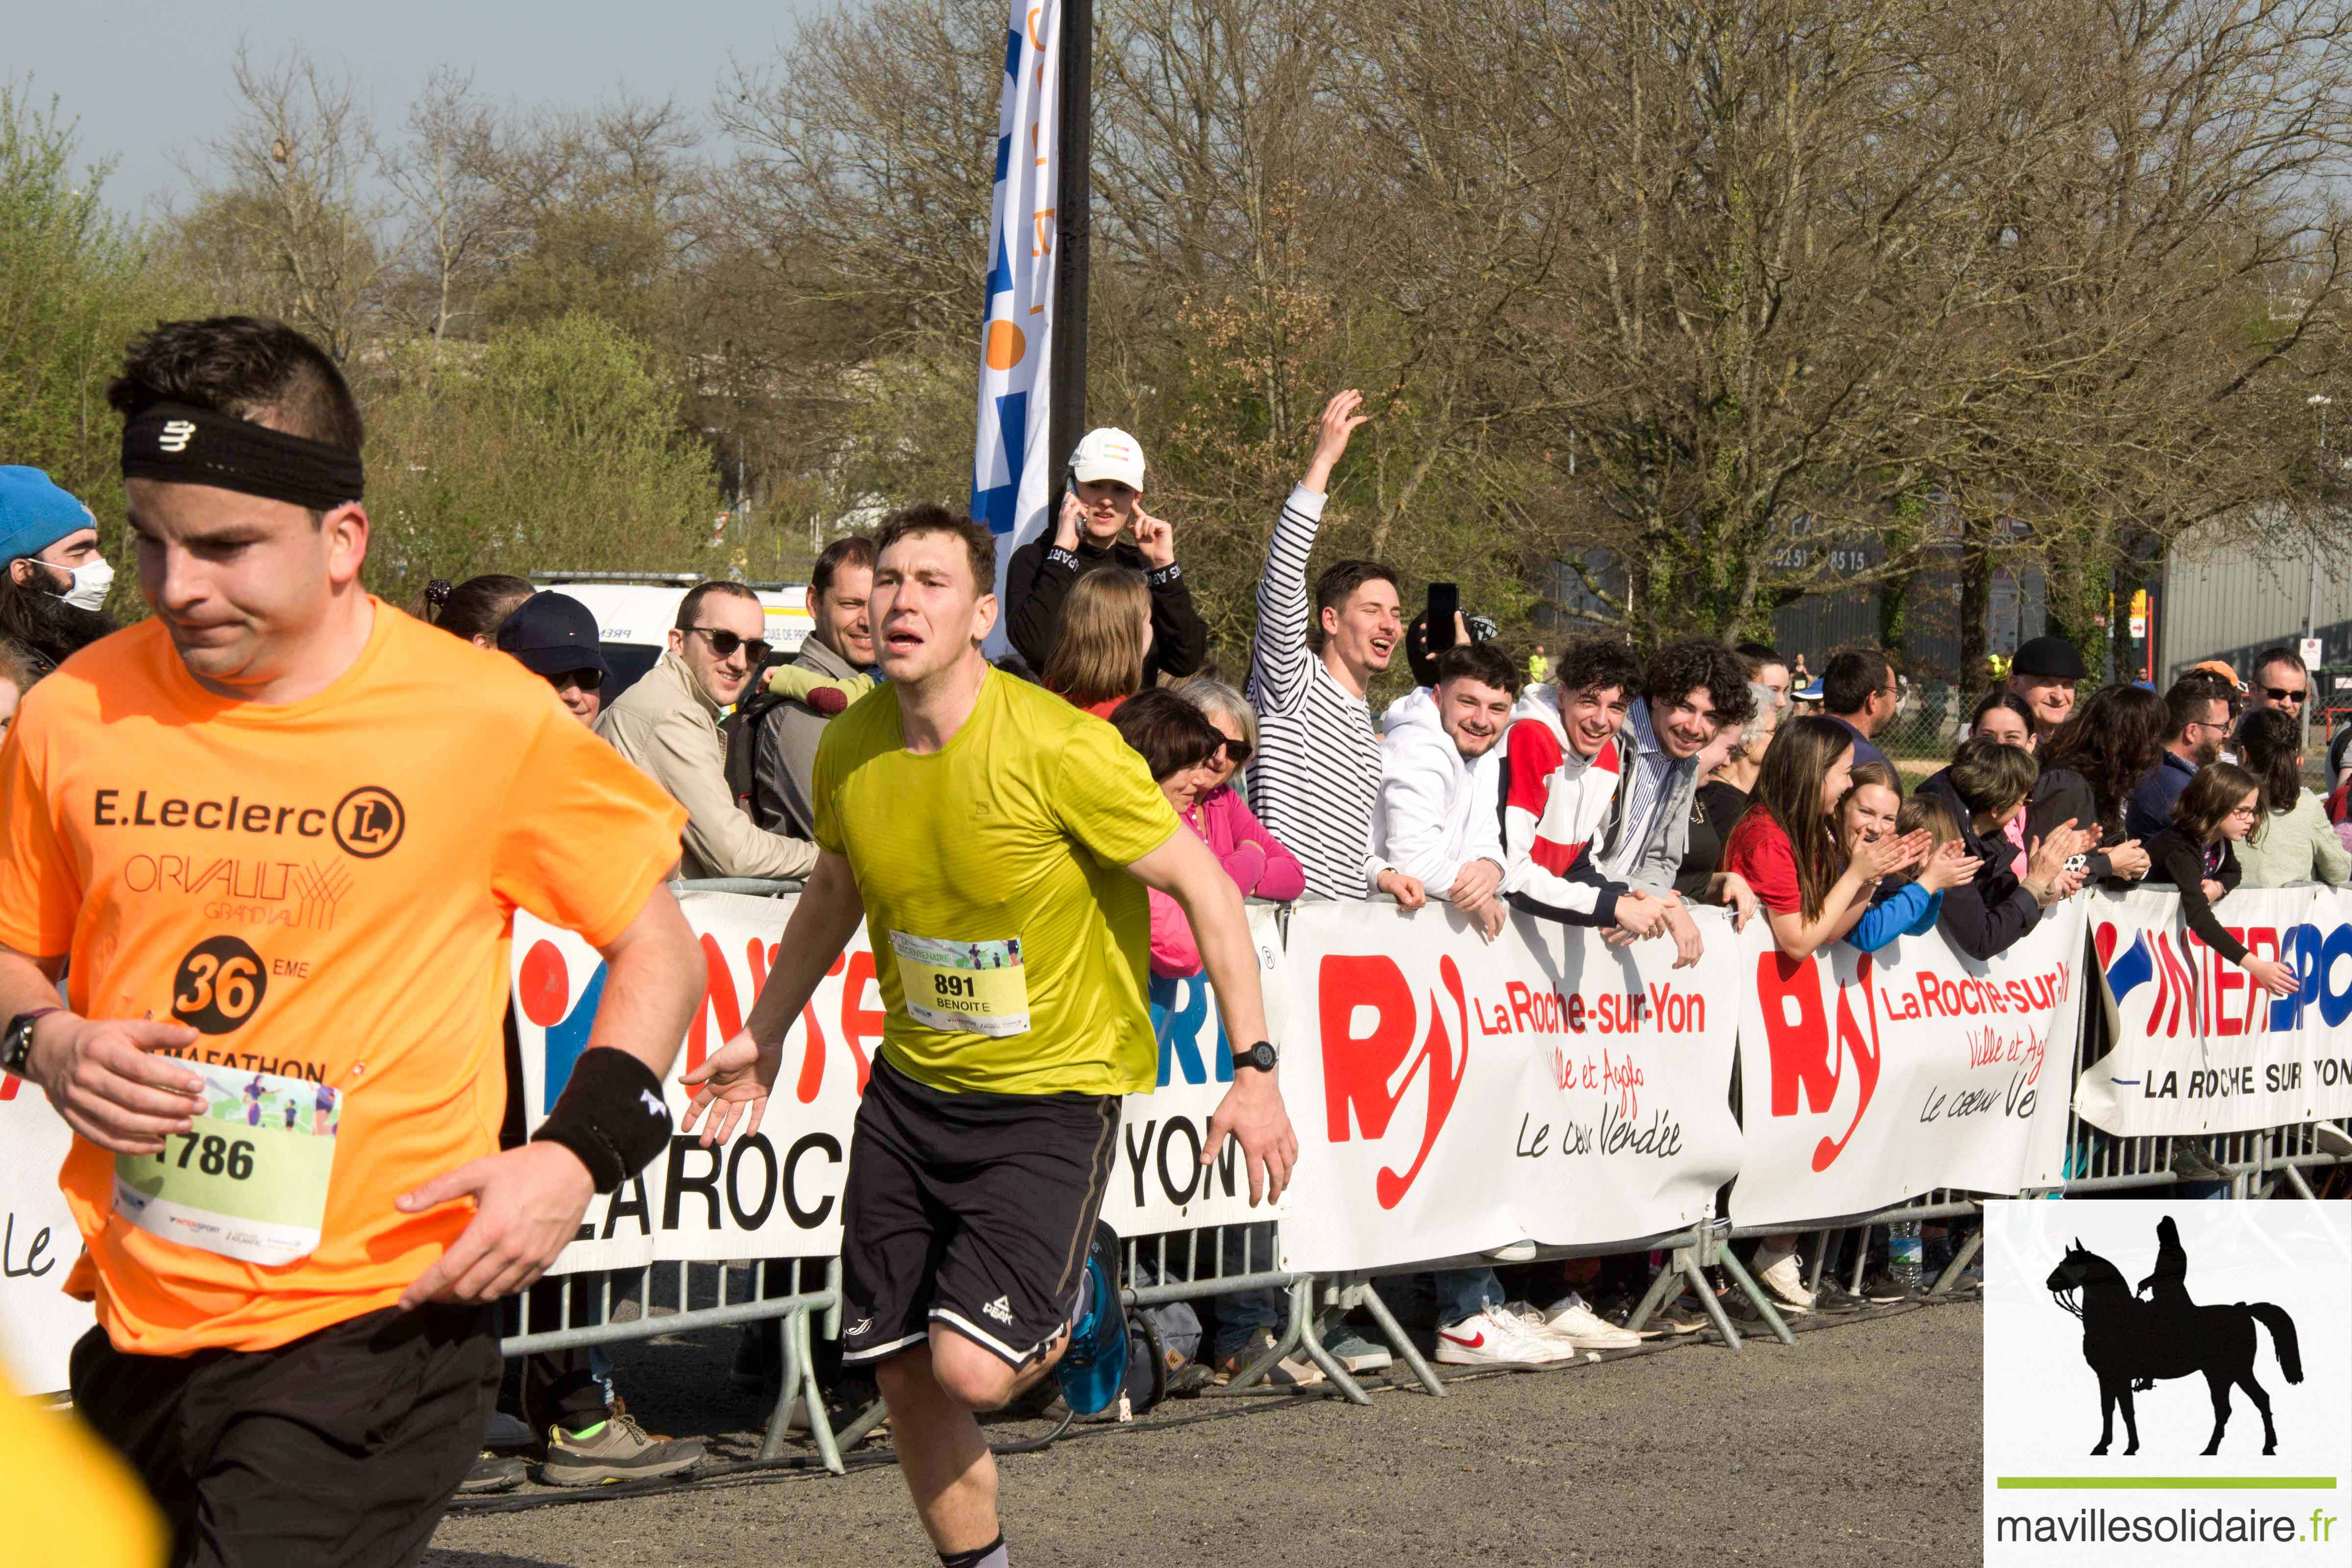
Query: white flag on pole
[[1011, 470]]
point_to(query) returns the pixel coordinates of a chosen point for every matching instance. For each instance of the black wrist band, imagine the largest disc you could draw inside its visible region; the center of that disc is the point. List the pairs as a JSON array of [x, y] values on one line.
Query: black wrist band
[[611, 1115], [1057, 556]]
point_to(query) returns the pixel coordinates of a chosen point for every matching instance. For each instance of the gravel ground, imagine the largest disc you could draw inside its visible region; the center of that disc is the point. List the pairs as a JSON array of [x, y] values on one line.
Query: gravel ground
[[1862, 1443]]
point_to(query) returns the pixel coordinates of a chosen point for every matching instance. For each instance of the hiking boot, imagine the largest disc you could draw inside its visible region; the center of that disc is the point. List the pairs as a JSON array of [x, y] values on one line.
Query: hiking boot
[[1094, 1368], [2191, 1163], [616, 1449], [491, 1473]]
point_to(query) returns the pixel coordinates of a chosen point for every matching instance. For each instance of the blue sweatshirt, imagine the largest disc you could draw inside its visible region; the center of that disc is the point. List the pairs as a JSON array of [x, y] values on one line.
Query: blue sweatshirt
[[1908, 910]]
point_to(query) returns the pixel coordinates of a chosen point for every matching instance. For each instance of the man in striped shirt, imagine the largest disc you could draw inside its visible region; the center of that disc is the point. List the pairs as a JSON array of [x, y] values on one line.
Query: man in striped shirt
[[1317, 772]]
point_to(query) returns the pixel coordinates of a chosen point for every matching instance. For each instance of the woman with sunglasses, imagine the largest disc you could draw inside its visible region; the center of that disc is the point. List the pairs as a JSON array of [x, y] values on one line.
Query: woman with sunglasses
[[554, 635], [1252, 857]]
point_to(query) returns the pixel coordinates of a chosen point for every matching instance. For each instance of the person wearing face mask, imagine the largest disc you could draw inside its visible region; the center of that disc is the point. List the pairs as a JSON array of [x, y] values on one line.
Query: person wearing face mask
[[1102, 523], [50, 540], [667, 723]]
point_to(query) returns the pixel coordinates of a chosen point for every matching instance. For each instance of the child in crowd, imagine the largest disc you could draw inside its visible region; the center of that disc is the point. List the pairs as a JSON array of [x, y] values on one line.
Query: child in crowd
[[1786, 846], [2195, 853], [1875, 809]]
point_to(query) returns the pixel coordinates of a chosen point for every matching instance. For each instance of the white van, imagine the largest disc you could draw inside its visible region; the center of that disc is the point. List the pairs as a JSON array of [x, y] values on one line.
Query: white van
[[635, 610]]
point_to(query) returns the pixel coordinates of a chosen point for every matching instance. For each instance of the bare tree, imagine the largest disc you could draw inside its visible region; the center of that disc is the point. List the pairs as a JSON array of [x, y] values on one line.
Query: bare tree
[[452, 206], [290, 224]]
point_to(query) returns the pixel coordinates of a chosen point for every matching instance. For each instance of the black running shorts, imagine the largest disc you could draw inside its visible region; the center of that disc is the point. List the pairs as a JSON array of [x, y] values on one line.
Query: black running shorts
[[343, 1446], [969, 1210]]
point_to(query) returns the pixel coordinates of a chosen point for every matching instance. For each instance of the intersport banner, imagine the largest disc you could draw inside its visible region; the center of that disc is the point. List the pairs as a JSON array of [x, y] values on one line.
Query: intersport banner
[[778, 1194], [2201, 1048], [1870, 1079], [1451, 1095]]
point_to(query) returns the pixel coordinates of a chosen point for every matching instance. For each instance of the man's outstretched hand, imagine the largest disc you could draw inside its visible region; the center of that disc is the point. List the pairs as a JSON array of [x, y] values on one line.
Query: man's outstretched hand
[[731, 1085], [1253, 1114]]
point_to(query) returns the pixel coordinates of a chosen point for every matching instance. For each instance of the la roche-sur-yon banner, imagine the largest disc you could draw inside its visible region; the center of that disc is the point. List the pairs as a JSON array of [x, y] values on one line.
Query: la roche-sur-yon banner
[[1453, 1096], [2200, 1048], [1868, 1078], [778, 1194]]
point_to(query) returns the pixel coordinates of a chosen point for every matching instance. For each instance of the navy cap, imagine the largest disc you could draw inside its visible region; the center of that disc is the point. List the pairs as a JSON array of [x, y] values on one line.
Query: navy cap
[[2051, 658], [35, 513], [552, 634]]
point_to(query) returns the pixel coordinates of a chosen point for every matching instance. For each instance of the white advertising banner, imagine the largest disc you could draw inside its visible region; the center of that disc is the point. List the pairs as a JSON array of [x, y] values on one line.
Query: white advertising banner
[[38, 1243], [1870, 1079], [778, 1194], [1453, 1096], [2201, 1048]]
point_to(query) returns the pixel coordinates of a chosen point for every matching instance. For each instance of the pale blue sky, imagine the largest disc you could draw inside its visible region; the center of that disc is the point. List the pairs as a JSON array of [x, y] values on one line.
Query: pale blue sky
[[143, 77]]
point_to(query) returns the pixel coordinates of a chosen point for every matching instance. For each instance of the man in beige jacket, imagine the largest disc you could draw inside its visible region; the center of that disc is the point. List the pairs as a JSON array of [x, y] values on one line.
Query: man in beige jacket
[[667, 723]]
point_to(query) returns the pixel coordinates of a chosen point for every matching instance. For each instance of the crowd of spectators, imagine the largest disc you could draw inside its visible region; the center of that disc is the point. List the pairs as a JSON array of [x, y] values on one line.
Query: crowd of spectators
[[1591, 785]]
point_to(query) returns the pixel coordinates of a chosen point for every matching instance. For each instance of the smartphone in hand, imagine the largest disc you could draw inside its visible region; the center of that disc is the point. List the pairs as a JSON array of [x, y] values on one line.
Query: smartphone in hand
[[1445, 604]]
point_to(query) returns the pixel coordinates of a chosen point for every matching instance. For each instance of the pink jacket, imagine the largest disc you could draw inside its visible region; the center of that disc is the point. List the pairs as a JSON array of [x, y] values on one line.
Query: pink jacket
[[1252, 857]]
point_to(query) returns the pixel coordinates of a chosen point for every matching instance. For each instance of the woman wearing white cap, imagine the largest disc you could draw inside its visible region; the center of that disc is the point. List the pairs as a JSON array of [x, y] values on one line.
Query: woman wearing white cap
[[1102, 523]]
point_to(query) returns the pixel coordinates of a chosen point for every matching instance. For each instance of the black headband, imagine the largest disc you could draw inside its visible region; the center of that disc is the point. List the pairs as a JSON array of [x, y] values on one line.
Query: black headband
[[184, 445]]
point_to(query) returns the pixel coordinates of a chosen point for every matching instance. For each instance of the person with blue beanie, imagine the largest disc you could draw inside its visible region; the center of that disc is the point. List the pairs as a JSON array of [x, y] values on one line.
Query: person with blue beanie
[[49, 539]]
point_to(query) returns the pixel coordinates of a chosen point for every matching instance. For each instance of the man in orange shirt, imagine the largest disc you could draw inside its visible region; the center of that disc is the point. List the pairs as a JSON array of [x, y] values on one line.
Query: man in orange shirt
[[274, 839]]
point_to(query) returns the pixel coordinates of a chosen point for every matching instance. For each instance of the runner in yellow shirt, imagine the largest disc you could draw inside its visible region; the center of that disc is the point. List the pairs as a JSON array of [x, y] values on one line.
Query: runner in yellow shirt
[[997, 842]]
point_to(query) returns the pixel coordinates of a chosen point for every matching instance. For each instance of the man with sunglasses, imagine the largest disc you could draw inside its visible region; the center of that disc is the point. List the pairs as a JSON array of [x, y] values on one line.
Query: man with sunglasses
[[667, 723], [2280, 681]]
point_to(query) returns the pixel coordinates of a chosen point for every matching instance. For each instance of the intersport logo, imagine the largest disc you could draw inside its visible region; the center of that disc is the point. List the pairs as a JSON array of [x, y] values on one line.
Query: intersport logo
[[1371, 1021], [1809, 1059]]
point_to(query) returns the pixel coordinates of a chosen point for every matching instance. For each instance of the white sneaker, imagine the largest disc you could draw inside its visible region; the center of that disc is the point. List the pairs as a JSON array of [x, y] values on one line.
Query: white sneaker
[[1497, 1338], [2331, 1138], [1572, 1321], [1518, 1251], [1783, 1274]]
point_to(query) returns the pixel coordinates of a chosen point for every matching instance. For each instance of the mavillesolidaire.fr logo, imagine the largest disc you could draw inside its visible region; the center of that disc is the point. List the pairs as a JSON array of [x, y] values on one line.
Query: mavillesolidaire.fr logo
[[2167, 1380]]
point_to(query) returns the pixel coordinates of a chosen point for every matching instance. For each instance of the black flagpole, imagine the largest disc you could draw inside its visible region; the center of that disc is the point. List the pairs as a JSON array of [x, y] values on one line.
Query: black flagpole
[[1073, 198]]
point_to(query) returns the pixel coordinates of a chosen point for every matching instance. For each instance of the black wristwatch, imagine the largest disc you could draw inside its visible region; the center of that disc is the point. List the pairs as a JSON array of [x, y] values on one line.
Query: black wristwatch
[[1261, 1056], [16, 1043]]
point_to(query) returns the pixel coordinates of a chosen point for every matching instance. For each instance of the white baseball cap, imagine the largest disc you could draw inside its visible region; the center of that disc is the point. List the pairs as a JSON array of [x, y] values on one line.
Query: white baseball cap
[[1109, 454]]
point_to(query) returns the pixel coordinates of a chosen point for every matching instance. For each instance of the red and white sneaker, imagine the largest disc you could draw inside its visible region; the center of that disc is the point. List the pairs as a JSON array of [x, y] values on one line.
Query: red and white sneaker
[[1497, 1338]]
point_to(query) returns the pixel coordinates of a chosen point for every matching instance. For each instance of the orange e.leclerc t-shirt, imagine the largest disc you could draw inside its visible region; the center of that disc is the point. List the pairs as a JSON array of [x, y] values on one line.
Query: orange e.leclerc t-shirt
[[370, 845]]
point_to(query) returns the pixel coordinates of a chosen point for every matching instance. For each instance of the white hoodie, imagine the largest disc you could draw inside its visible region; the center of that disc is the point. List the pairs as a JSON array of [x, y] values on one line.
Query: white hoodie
[[1436, 811]]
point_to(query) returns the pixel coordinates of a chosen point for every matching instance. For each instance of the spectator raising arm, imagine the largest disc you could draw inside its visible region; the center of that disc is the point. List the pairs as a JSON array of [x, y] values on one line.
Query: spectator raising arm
[[1279, 656]]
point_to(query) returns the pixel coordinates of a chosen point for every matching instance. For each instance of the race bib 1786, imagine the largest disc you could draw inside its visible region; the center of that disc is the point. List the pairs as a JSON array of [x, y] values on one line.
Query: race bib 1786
[[250, 1181], [963, 987]]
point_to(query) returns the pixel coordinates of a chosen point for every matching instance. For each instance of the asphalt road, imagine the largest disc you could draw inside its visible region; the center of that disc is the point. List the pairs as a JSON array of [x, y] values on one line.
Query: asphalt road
[[1862, 1443]]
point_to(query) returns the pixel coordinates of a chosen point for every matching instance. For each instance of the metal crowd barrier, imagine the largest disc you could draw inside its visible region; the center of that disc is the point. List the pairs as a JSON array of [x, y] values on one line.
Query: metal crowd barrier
[[665, 1297]]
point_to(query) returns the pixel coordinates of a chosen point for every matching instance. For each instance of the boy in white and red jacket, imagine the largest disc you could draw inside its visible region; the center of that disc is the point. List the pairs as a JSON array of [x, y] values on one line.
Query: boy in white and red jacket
[[1562, 766]]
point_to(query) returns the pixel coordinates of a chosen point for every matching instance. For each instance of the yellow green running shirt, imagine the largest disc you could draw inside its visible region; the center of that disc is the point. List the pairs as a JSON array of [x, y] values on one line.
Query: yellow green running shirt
[[1010, 944]]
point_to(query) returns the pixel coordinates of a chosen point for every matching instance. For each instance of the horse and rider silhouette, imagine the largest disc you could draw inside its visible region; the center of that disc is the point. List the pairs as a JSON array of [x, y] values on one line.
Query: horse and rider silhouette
[[2130, 1343]]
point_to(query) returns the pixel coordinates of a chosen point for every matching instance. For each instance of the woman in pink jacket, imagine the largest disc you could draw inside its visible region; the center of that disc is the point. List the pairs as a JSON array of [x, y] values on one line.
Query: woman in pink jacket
[[1252, 857], [1191, 759]]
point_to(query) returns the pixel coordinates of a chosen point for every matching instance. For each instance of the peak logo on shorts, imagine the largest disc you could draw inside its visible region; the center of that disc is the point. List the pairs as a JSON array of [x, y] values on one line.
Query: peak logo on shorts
[[366, 823]]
